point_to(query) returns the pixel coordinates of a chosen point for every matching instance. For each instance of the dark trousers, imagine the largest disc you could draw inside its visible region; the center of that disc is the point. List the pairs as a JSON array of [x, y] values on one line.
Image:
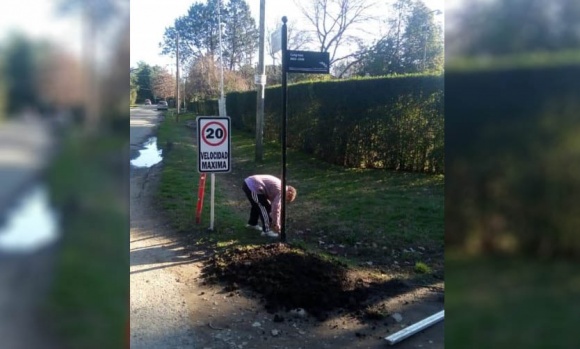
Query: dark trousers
[[260, 208]]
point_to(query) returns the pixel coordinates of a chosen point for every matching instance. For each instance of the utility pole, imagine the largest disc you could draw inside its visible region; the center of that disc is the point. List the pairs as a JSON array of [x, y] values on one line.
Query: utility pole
[[92, 95], [177, 73], [261, 87], [222, 101], [222, 113], [184, 93]]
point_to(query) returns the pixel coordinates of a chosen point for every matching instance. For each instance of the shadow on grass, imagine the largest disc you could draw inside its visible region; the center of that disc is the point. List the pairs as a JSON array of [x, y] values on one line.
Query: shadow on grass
[[391, 219]]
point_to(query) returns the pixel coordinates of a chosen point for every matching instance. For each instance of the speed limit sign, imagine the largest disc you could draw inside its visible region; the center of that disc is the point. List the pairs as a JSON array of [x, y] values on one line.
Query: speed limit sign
[[213, 144]]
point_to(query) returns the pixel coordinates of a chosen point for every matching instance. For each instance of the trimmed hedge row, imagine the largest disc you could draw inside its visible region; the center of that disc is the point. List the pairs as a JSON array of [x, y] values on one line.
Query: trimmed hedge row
[[513, 157], [389, 122]]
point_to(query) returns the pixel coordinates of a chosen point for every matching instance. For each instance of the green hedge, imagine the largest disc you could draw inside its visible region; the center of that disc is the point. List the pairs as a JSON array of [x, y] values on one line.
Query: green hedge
[[388, 122], [512, 148]]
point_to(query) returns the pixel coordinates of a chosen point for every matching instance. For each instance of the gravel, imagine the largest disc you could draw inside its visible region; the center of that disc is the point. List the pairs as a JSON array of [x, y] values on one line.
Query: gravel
[[159, 314]]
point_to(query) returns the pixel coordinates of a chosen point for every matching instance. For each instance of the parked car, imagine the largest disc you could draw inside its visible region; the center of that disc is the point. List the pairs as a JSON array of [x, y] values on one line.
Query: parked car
[[162, 105], [147, 102]]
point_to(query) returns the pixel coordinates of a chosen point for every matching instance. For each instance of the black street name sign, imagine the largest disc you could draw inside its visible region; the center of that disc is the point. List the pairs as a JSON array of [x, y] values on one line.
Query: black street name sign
[[308, 62]]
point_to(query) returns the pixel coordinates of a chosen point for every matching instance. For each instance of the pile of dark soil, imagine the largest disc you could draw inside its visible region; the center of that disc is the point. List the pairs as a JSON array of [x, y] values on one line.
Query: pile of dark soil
[[289, 278]]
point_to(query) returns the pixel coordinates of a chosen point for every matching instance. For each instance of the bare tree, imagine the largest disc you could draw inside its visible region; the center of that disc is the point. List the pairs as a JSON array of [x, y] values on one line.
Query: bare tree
[[203, 79], [297, 40], [114, 86], [494, 28], [412, 44], [163, 84], [61, 82], [97, 15], [336, 24]]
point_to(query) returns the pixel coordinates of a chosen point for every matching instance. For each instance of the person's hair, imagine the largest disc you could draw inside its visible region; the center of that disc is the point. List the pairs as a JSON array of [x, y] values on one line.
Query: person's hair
[[290, 193]]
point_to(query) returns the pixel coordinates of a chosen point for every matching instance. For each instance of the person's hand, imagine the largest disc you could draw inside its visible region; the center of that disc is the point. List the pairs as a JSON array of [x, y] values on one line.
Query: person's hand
[[276, 228]]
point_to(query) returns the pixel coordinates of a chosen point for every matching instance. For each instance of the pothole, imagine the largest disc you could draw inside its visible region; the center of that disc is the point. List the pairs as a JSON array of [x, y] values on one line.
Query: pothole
[[31, 225], [149, 155]]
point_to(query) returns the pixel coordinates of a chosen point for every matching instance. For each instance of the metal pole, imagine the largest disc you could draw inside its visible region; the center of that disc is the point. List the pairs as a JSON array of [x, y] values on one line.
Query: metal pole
[[222, 100], [91, 96], [177, 72], [212, 202], [183, 96], [284, 124], [261, 87], [419, 326]]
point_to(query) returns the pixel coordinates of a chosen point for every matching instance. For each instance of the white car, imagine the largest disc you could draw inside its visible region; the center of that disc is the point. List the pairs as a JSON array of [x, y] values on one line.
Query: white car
[[162, 105]]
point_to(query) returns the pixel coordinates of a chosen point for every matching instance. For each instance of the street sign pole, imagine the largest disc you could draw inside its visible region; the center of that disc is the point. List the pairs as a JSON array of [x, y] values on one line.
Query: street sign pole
[[284, 125], [294, 62]]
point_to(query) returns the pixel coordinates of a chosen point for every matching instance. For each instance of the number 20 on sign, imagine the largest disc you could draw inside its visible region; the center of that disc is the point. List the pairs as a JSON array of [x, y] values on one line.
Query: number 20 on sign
[[213, 144]]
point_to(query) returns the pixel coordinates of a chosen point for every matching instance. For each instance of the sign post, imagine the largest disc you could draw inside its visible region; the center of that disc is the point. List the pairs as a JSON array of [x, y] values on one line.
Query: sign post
[[214, 149], [309, 62], [284, 124]]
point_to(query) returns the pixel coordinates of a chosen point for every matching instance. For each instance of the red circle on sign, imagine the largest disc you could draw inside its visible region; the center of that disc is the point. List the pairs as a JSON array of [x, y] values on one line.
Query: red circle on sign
[[219, 142]]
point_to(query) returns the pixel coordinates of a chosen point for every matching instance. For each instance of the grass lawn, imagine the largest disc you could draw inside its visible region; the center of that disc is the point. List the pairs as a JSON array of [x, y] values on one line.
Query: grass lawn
[[510, 303], [355, 214]]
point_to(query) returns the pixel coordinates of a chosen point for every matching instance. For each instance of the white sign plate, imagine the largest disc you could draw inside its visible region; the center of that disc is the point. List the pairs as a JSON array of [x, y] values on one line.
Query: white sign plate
[[213, 144], [276, 40], [260, 79]]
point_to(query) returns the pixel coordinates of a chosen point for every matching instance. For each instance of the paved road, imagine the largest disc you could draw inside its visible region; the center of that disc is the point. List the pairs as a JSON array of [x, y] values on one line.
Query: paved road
[[159, 313], [143, 123]]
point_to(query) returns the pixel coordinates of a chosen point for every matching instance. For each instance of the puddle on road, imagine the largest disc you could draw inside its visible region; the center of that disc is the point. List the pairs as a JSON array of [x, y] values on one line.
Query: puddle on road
[[32, 224], [148, 156]]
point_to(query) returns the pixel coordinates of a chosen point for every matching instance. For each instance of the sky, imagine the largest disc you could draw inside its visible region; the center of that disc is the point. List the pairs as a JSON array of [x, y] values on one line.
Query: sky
[[148, 24], [149, 20], [41, 22]]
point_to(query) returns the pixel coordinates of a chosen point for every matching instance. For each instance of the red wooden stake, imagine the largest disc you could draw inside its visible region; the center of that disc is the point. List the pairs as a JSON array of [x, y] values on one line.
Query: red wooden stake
[[200, 193]]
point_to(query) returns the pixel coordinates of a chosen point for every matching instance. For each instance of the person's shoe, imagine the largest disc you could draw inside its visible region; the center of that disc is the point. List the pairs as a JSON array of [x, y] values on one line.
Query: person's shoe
[[270, 234], [257, 227]]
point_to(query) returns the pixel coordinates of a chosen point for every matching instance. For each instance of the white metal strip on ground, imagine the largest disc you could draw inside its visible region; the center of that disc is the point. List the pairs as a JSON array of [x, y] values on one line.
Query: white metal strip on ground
[[419, 326]]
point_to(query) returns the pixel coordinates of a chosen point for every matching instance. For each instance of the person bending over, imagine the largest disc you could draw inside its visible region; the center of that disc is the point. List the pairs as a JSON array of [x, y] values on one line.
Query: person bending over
[[264, 193]]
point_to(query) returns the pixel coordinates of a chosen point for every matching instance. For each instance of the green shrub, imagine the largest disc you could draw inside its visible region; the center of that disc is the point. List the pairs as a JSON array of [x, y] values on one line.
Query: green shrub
[[387, 122], [422, 268], [512, 151]]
